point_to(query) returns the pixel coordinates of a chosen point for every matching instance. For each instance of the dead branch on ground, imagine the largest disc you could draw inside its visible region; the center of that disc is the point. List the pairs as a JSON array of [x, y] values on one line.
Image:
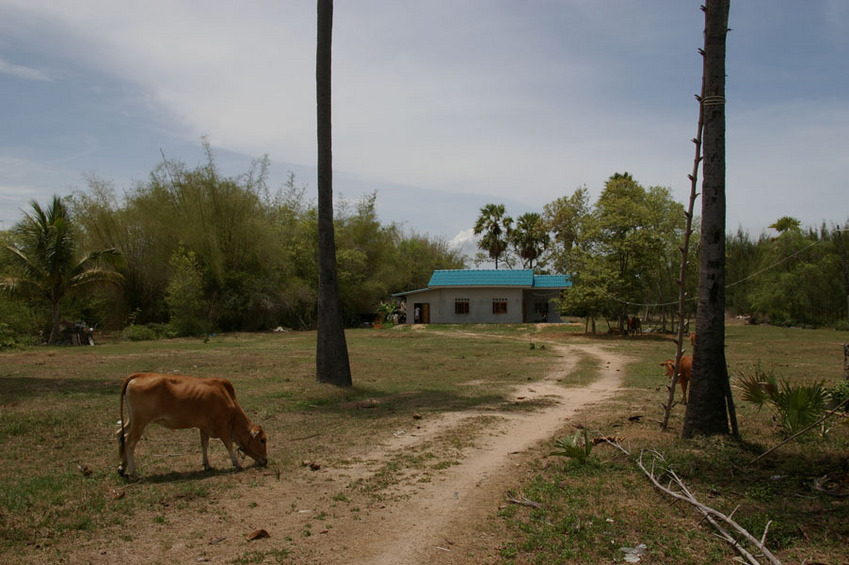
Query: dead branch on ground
[[724, 524], [521, 500]]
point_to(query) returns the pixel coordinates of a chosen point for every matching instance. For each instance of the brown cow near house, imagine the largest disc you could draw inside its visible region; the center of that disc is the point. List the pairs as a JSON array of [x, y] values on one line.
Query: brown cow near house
[[180, 402], [684, 372]]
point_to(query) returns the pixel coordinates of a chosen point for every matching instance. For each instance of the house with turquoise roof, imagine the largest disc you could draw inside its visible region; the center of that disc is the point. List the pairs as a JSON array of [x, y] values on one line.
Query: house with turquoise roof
[[478, 296]]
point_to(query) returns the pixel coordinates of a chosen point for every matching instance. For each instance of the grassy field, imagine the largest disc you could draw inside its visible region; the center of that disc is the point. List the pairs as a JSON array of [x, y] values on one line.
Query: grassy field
[[59, 407]]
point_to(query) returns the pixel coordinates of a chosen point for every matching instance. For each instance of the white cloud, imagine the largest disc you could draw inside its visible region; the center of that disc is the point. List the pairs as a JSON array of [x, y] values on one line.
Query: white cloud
[[22, 72], [465, 243]]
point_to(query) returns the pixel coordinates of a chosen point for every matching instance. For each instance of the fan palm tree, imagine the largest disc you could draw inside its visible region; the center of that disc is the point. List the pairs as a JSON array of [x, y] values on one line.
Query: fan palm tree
[[529, 238], [495, 226], [47, 264]]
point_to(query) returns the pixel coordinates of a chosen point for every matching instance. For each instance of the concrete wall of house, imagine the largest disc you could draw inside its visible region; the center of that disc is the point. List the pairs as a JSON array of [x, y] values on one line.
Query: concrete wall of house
[[521, 305]]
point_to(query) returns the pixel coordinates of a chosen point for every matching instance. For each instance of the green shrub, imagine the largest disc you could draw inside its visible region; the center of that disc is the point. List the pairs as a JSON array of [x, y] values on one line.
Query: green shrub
[[838, 393], [147, 332], [184, 295]]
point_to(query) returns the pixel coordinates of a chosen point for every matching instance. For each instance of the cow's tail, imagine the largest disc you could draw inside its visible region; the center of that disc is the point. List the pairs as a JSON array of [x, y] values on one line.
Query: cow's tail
[[122, 432]]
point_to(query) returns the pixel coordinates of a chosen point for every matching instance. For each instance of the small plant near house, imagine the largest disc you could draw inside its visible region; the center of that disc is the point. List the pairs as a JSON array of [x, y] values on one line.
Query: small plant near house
[[386, 313], [576, 447], [793, 407]]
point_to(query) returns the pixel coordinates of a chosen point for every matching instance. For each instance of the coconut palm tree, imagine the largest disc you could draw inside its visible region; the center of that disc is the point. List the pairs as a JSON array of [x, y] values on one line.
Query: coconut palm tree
[[47, 264]]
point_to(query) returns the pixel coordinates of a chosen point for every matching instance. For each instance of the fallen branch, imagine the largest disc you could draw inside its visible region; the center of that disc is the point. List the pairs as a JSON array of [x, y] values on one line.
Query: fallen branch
[[718, 520], [521, 500], [710, 514]]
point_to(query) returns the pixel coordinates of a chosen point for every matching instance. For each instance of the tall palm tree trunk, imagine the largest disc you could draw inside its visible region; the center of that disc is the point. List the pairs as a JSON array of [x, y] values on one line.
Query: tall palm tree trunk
[[711, 403], [332, 365]]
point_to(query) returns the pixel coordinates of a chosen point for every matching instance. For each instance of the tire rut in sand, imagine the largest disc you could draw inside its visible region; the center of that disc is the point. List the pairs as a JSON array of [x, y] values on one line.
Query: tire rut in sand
[[441, 522]]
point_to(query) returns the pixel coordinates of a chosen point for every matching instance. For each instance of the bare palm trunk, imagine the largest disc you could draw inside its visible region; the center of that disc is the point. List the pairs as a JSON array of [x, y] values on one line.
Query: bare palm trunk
[[53, 339], [332, 365], [711, 403]]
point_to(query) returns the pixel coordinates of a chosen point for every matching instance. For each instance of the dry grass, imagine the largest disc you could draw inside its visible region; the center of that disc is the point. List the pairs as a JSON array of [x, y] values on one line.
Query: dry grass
[[59, 406], [592, 510]]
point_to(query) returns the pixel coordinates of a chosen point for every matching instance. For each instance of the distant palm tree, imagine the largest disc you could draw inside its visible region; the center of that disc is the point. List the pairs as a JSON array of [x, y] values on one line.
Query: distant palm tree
[[495, 226], [47, 263], [529, 238]]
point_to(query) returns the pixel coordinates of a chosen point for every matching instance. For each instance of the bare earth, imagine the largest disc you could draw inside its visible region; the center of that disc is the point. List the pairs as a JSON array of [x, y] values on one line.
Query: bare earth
[[441, 518]]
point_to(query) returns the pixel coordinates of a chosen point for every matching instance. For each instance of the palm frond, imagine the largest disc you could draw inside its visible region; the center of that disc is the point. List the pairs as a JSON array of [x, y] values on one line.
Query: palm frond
[[576, 447], [758, 388], [801, 406]]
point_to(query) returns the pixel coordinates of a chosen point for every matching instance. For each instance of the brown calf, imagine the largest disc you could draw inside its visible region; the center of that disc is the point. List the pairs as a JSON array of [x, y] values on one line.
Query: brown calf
[[683, 373]]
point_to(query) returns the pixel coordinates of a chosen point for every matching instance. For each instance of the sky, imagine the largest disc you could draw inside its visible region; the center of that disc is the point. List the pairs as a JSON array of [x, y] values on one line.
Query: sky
[[440, 107]]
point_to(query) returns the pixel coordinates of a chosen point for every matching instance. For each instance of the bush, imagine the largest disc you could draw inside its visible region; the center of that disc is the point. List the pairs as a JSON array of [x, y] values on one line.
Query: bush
[[7, 337], [147, 332], [838, 393], [184, 295]]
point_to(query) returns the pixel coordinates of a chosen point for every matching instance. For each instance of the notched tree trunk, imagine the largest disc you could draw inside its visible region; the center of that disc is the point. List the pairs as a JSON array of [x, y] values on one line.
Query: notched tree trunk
[[711, 404]]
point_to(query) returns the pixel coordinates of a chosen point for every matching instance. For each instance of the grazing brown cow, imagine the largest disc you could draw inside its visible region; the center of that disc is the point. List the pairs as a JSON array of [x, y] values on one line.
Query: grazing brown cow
[[634, 325], [693, 339], [179, 402], [683, 373]]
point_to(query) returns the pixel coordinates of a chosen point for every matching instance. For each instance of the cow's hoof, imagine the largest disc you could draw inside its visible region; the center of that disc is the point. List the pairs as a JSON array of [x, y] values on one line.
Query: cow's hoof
[[120, 470]]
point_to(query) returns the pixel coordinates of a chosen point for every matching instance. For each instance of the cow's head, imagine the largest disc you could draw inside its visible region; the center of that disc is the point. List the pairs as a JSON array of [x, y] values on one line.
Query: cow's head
[[254, 445], [670, 366]]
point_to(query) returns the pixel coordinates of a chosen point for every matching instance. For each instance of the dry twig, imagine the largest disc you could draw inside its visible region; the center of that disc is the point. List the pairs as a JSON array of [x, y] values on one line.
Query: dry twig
[[521, 500]]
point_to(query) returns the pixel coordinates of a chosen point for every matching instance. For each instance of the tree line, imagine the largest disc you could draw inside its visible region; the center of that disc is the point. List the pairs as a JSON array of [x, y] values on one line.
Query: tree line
[[623, 254], [202, 252], [190, 251]]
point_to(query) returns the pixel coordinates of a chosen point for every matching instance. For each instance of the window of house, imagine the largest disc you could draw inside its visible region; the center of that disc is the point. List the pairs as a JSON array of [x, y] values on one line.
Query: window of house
[[499, 305], [461, 305]]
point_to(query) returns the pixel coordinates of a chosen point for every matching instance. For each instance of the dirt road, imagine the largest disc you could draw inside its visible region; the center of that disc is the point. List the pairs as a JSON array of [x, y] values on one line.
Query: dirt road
[[442, 523]]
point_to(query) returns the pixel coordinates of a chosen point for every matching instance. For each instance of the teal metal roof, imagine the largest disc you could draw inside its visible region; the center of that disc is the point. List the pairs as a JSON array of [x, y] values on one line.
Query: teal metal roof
[[552, 281], [481, 277]]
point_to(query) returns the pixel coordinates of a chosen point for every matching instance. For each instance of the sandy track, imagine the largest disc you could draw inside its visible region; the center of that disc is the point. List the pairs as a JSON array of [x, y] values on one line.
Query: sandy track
[[441, 524]]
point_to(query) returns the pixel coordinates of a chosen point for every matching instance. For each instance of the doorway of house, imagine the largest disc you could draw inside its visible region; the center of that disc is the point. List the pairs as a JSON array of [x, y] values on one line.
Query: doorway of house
[[421, 313]]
